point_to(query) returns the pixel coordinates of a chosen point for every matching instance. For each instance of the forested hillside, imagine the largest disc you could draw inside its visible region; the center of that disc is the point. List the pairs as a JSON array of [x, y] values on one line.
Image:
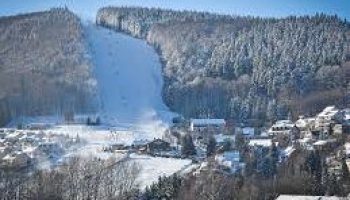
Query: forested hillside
[[43, 65], [243, 67]]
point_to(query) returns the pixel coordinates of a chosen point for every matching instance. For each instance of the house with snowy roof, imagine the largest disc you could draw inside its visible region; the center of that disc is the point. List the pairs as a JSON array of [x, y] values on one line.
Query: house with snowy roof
[[287, 153], [281, 127], [157, 146], [230, 161], [260, 143], [248, 132], [4, 150], [223, 138], [211, 125], [18, 160], [305, 125], [13, 137], [305, 143], [325, 145], [330, 115]]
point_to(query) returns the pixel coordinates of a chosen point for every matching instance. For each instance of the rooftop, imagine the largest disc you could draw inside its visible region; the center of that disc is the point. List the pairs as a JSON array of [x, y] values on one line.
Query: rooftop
[[248, 131], [228, 156], [208, 121], [283, 123], [328, 111], [260, 142], [220, 138], [320, 143]]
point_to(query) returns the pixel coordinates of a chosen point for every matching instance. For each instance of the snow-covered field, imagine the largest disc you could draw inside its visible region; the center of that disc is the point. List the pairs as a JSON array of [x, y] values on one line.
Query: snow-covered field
[[98, 137], [153, 167]]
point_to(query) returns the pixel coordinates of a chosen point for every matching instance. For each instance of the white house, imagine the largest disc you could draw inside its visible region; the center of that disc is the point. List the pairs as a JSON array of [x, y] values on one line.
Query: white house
[[325, 144], [13, 137], [217, 125], [328, 116], [18, 159], [248, 132], [4, 151], [305, 125], [306, 143], [230, 160], [32, 152], [222, 138], [284, 127], [260, 143]]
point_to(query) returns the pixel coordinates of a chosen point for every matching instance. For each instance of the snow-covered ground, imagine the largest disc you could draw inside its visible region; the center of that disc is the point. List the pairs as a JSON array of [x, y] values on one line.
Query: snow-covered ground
[[153, 167]]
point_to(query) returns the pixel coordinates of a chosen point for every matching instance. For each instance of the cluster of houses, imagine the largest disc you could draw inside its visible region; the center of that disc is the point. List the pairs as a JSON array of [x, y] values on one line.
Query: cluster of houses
[[156, 147], [24, 148], [321, 132]]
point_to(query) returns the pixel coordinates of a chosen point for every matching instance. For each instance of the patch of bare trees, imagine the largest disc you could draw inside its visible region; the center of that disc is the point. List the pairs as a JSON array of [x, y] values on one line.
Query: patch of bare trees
[[43, 67], [79, 179]]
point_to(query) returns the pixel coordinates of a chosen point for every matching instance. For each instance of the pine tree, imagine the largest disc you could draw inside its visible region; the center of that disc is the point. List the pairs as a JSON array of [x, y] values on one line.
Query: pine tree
[[333, 186], [88, 121], [345, 171], [77, 139], [188, 148], [317, 173], [98, 121], [211, 147], [239, 142], [274, 158], [267, 167]]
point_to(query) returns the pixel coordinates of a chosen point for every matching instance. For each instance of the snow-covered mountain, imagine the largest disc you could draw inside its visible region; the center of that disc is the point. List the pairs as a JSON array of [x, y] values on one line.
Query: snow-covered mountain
[[127, 70]]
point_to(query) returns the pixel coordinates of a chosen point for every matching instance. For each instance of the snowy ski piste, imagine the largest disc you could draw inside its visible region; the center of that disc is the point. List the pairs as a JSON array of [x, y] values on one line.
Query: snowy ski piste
[[128, 73]]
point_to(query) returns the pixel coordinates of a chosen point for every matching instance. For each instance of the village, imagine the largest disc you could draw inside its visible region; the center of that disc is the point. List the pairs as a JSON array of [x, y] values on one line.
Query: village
[[325, 133], [32, 147], [207, 142], [227, 148]]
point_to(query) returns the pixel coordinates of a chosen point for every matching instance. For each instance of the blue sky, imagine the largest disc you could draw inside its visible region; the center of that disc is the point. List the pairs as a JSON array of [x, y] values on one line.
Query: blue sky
[[265, 8]]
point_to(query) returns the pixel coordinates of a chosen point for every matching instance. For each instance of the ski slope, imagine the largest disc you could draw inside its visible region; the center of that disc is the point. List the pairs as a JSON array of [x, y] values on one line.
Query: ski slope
[[127, 70], [128, 73]]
